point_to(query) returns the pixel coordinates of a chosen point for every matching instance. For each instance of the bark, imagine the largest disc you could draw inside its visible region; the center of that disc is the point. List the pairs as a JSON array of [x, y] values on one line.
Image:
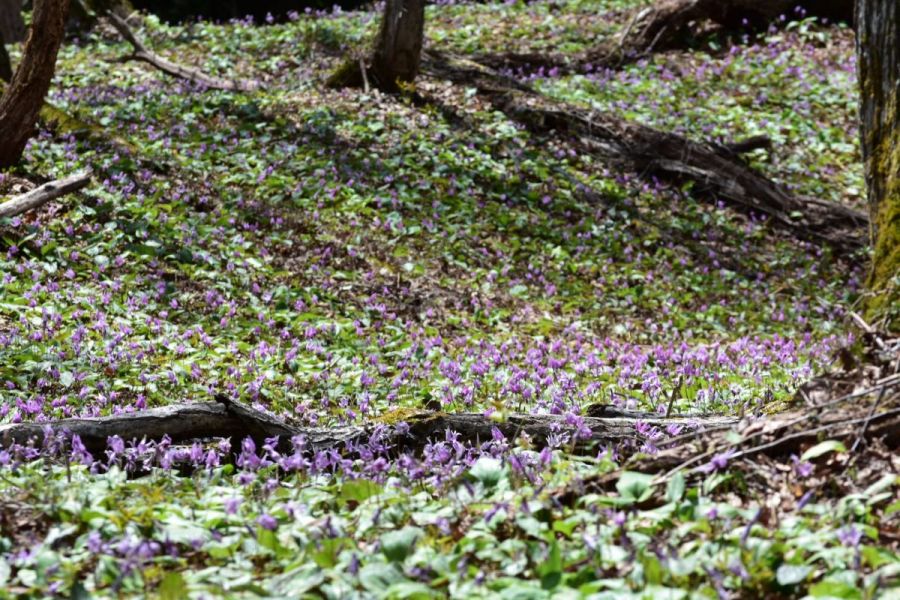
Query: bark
[[399, 50], [142, 53], [43, 194], [397, 54], [229, 419], [716, 170], [12, 25], [22, 101], [5, 65], [878, 49]]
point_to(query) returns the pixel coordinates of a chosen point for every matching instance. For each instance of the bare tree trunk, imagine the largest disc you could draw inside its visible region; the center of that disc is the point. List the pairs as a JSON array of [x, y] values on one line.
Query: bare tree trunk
[[399, 48], [878, 48], [24, 97], [12, 29], [5, 66], [12, 25], [397, 53]]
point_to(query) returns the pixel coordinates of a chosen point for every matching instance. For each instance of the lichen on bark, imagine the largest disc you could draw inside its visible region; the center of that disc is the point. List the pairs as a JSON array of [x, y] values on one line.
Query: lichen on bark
[[878, 48]]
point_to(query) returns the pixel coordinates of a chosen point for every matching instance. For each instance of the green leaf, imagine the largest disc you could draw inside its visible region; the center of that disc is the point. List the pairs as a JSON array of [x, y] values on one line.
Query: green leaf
[[881, 485], [397, 545], [489, 471], [518, 291], [831, 588], [378, 577], [823, 448], [792, 574], [359, 490], [634, 487], [66, 378], [675, 488], [550, 570], [173, 587], [326, 556]]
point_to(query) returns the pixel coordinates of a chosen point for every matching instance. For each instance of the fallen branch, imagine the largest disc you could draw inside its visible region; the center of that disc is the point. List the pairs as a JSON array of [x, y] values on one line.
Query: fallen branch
[[716, 170], [43, 194], [229, 419], [846, 419], [142, 53]]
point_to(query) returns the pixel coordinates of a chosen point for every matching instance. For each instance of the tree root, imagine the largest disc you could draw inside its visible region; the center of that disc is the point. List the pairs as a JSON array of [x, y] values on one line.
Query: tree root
[[716, 170]]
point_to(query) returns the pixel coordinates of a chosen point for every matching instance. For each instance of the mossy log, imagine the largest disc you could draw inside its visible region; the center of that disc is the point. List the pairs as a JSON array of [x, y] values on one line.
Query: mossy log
[[861, 416]]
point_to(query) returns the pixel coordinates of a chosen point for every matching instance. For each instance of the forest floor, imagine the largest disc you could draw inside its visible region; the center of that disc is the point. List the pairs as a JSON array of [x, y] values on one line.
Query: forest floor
[[346, 257]]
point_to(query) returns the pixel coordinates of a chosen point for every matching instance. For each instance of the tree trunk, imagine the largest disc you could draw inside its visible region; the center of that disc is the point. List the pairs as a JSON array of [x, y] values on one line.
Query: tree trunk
[[5, 66], [24, 97], [878, 48], [399, 48], [397, 53], [12, 26]]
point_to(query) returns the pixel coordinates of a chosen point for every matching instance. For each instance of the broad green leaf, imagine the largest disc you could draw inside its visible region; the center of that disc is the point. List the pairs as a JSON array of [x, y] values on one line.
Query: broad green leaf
[[823, 448], [675, 488], [173, 587], [634, 487], [397, 545], [792, 574], [489, 471]]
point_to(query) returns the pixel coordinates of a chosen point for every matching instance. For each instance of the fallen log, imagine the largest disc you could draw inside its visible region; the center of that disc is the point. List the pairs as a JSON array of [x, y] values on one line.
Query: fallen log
[[43, 194], [142, 53], [716, 170], [667, 25], [229, 419]]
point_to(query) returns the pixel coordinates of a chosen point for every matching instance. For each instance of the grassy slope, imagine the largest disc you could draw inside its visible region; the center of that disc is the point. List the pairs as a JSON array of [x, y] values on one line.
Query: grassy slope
[[336, 256]]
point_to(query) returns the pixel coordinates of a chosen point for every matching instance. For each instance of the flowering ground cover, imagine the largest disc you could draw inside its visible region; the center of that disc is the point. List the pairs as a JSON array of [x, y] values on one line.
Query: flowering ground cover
[[348, 257]]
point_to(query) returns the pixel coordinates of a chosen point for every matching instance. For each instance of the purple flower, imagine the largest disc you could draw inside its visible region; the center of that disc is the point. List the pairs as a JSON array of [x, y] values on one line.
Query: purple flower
[[267, 521], [718, 462], [231, 505], [803, 469], [849, 536]]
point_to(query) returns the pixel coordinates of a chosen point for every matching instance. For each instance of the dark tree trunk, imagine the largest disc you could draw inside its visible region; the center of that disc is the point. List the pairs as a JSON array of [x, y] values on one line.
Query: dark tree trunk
[[12, 26], [5, 66], [399, 47], [397, 53], [24, 97], [878, 48]]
